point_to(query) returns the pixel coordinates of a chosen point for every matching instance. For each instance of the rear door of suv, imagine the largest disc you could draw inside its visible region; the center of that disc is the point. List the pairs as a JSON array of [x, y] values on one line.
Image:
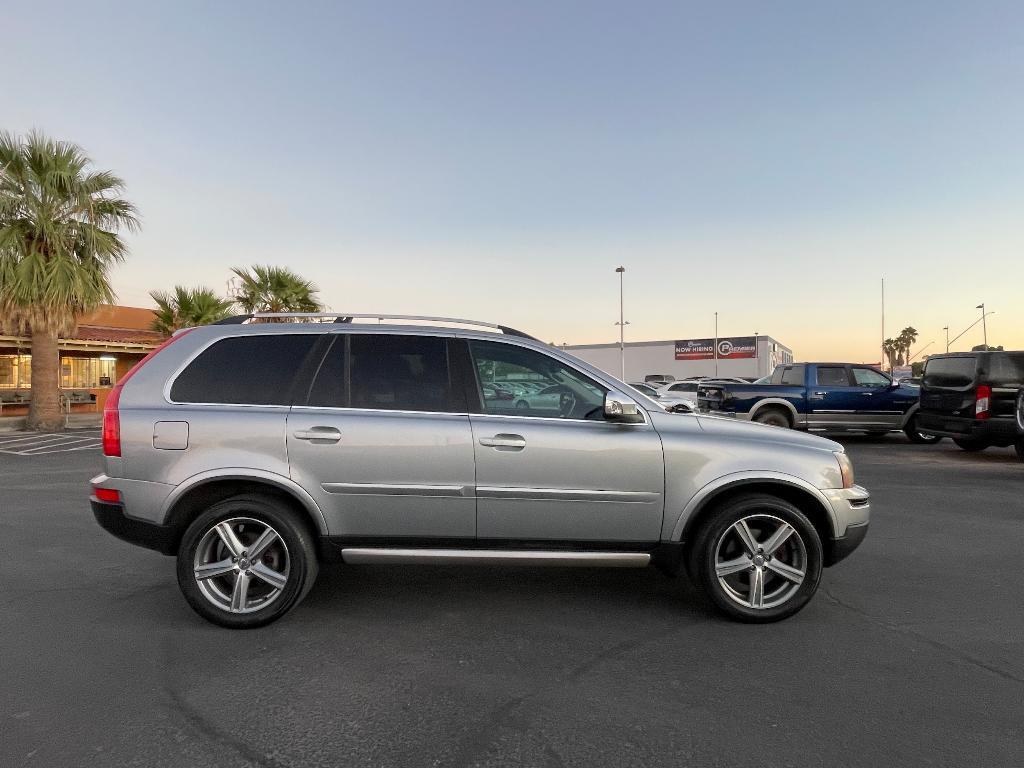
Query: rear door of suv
[[948, 391], [382, 439]]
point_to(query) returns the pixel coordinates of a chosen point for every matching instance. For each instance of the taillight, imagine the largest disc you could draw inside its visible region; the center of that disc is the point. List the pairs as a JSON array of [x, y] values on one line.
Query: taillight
[[111, 415], [983, 398]]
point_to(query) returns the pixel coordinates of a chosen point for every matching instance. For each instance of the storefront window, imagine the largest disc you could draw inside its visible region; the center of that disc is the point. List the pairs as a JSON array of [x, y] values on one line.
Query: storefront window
[[15, 371], [86, 372]]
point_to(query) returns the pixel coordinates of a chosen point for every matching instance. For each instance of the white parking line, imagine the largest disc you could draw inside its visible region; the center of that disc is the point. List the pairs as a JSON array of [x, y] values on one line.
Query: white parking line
[[38, 444]]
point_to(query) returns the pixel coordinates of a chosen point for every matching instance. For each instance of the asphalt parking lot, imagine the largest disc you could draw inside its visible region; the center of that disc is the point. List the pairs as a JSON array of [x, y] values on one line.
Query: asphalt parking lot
[[911, 654]]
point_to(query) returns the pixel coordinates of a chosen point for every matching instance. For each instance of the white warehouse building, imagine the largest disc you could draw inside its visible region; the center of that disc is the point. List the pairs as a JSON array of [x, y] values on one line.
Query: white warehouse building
[[744, 356]]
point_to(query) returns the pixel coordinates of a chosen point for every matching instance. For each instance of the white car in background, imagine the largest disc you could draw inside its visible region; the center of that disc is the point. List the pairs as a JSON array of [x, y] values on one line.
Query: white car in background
[[668, 400]]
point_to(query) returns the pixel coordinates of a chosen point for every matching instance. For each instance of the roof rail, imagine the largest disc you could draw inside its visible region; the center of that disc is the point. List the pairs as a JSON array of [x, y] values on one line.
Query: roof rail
[[348, 317]]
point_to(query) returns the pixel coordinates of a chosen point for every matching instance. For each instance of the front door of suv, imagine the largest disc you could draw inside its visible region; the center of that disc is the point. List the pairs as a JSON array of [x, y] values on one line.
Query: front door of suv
[[554, 469], [382, 440]]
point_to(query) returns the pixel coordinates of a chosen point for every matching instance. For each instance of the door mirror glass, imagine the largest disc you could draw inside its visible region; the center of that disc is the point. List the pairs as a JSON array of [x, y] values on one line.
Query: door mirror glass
[[618, 407]]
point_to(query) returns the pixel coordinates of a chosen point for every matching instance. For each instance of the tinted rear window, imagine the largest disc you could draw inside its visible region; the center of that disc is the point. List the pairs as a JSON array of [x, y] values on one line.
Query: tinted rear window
[[833, 376], [244, 370], [791, 375], [386, 372], [952, 372], [1006, 370]]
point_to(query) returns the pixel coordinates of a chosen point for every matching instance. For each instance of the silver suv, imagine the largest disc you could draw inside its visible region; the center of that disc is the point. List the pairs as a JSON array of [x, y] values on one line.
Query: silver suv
[[254, 451]]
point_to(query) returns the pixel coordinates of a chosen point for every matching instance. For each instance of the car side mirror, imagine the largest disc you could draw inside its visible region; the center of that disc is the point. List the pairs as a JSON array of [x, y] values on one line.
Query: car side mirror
[[618, 407]]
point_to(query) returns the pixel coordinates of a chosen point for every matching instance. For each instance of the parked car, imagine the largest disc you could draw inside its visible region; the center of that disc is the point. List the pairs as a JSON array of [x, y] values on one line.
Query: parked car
[[659, 378], [255, 452], [833, 397], [971, 396], [670, 401], [1019, 445]]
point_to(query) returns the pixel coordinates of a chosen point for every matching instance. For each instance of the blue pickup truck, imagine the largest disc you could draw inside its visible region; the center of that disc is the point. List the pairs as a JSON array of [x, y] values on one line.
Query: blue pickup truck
[[821, 397]]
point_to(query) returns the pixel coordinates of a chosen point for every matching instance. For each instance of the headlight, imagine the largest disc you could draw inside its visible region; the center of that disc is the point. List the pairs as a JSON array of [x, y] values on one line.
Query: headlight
[[845, 468]]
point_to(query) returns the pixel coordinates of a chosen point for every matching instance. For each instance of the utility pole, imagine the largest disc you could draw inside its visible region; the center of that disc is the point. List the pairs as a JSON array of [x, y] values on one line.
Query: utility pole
[[716, 344], [881, 364], [622, 325]]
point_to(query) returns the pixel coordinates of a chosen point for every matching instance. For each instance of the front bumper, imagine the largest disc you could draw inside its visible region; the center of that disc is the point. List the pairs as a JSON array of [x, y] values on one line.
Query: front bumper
[[112, 519], [851, 514]]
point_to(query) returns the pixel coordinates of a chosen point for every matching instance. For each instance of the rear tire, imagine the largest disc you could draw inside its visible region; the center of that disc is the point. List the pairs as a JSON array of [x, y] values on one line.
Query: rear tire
[[910, 430], [214, 556], [728, 566], [969, 444], [773, 417]]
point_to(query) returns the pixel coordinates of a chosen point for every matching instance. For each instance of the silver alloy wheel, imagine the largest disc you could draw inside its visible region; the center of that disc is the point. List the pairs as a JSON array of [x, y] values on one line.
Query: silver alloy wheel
[[760, 561], [241, 565]]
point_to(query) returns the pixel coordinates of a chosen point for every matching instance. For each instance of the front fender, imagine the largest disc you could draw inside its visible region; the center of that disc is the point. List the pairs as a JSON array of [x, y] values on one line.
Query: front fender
[[738, 479]]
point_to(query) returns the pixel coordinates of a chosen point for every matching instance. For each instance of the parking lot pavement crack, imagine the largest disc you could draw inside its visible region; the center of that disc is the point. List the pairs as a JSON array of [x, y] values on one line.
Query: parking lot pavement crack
[[477, 741], [909, 633], [199, 722]]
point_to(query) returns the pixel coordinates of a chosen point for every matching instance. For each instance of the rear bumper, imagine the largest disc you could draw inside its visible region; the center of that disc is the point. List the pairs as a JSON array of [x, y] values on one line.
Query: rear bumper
[[1000, 430], [113, 520]]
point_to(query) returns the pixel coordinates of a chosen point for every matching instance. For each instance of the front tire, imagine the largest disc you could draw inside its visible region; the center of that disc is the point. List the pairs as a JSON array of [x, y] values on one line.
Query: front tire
[[910, 430], [246, 562], [757, 558]]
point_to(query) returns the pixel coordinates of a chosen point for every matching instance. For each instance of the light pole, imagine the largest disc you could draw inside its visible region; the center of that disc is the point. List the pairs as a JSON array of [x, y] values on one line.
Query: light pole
[[965, 330], [757, 357], [716, 345], [946, 329], [984, 325], [622, 326]]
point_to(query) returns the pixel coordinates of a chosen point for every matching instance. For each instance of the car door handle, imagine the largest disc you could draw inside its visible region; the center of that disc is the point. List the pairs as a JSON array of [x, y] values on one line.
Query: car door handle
[[326, 434], [509, 442], [820, 394], [866, 394]]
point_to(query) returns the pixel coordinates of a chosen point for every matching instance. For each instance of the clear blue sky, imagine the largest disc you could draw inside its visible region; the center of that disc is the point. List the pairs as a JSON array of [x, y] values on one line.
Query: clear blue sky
[[770, 161]]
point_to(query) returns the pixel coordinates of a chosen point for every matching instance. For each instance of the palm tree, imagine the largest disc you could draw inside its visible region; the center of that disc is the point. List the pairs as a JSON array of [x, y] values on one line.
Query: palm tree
[[275, 289], [59, 236], [906, 340], [188, 307], [891, 347]]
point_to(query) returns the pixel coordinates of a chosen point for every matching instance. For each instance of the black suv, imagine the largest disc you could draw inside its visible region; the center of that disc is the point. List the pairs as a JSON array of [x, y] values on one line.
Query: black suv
[[970, 397]]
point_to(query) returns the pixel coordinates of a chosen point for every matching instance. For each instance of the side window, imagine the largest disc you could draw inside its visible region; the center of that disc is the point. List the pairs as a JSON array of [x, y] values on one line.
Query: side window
[[833, 376], [400, 373], [554, 390], [792, 376], [686, 386], [869, 377], [385, 372], [244, 370]]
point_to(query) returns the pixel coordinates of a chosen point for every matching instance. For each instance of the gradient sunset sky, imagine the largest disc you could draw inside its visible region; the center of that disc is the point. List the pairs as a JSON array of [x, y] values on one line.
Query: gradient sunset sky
[[769, 161]]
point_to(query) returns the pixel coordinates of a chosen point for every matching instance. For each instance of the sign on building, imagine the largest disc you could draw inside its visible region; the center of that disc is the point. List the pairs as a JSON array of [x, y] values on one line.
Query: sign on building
[[732, 348]]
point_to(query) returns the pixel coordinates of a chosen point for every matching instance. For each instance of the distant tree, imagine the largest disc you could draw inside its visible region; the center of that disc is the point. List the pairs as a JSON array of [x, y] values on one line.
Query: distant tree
[[275, 289], [892, 349], [905, 341], [983, 348], [188, 307], [60, 225]]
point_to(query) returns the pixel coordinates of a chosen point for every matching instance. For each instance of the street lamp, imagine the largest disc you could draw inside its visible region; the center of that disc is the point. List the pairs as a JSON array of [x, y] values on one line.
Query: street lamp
[[946, 329], [984, 325], [622, 326]]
